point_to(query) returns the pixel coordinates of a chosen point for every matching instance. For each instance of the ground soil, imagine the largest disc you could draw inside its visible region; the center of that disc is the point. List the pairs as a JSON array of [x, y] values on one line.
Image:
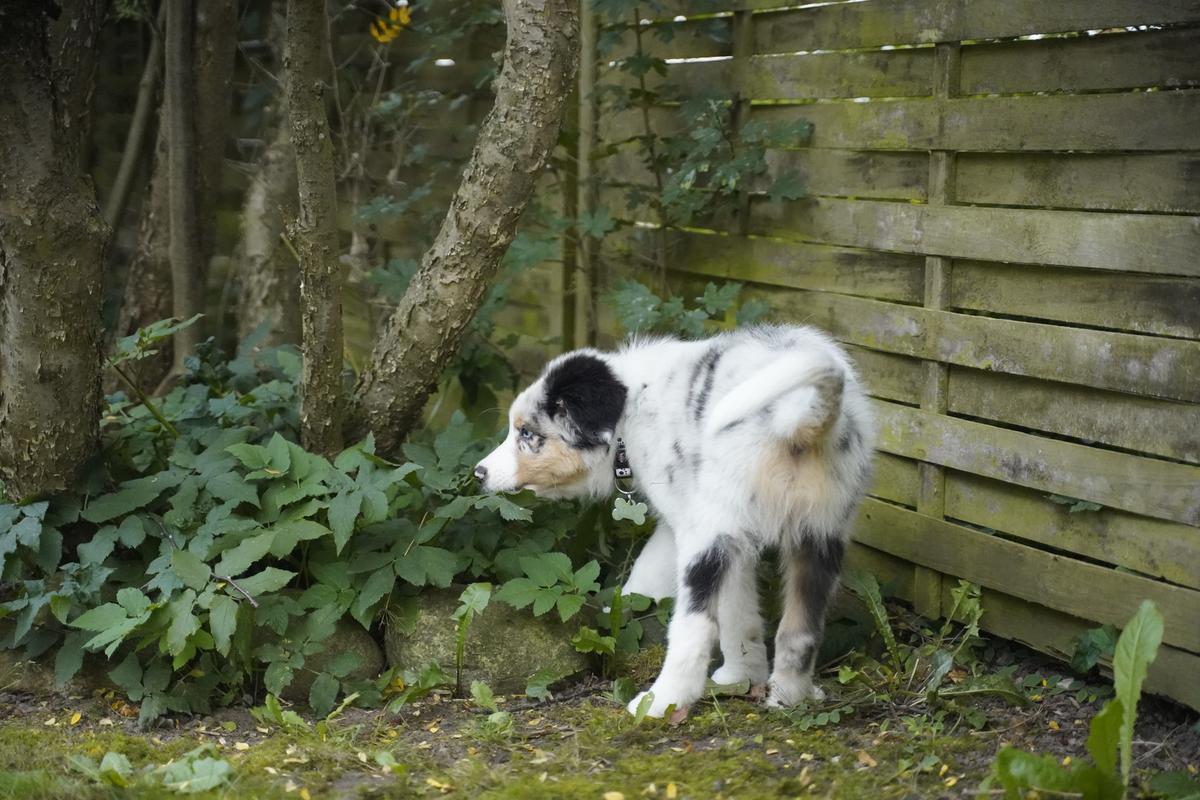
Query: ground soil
[[581, 744]]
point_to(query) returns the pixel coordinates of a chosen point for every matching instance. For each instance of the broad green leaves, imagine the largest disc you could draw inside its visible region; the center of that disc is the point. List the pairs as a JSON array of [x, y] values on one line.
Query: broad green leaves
[[550, 583]]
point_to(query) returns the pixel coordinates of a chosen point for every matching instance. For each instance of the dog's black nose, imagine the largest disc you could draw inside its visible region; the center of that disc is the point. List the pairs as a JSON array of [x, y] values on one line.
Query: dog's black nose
[[481, 473]]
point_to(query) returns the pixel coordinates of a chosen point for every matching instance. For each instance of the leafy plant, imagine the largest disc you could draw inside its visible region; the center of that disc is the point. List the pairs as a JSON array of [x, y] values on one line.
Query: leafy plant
[[933, 674], [207, 554], [473, 600], [640, 310], [1110, 740]]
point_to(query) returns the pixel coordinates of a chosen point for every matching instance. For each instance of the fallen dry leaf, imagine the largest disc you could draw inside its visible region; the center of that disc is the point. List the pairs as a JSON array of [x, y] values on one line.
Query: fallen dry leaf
[[76, 717], [614, 796], [672, 792], [678, 716], [865, 758]]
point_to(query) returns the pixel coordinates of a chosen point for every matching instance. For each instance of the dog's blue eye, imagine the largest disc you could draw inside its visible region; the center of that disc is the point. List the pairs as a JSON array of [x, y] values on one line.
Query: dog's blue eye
[[526, 433]]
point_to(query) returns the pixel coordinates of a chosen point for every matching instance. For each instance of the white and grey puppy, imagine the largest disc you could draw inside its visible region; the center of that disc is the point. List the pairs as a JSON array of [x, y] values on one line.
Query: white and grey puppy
[[755, 439]]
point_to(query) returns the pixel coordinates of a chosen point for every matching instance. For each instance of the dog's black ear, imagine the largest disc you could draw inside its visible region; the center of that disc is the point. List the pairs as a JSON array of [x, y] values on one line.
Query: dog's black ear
[[584, 389]]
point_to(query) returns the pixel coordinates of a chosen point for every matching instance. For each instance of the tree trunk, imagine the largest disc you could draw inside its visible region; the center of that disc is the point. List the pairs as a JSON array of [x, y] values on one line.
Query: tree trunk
[[147, 295], [187, 287], [73, 69], [51, 257], [215, 45], [315, 231], [425, 330], [270, 280], [143, 110]]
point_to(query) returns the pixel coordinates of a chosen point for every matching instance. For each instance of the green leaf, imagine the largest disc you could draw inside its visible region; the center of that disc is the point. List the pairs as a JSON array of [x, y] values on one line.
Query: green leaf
[[569, 605], [133, 495], [430, 566], [279, 455], [238, 559], [518, 592], [323, 694], [473, 600], [69, 657], [374, 589], [183, 622], [588, 640], [265, 582], [128, 676], [133, 601], [509, 510], [539, 683], [457, 507], [1104, 737], [483, 697], [866, 588], [343, 510], [277, 677], [289, 534], [222, 621], [100, 618], [789, 185], [1136, 649], [597, 224], [115, 769], [191, 570], [232, 486], [1091, 646], [252, 456], [547, 569], [344, 663], [191, 776], [1022, 773]]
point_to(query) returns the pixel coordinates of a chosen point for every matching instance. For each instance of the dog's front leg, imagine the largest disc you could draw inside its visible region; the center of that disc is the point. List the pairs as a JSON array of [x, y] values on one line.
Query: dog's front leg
[[653, 573], [693, 628]]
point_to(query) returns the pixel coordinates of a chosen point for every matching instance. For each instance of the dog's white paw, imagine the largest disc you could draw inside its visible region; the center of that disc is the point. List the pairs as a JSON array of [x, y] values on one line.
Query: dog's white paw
[[728, 674], [784, 694], [659, 700]]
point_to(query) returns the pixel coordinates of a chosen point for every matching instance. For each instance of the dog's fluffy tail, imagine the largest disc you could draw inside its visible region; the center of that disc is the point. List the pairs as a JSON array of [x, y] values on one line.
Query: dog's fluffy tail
[[801, 393]]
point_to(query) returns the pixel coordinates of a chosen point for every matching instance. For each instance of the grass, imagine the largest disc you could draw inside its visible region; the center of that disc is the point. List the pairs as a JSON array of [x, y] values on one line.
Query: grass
[[584, 748]]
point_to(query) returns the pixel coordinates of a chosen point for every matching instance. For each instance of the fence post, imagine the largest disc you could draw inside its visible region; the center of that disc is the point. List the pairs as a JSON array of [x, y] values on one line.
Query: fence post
[[931, 499]]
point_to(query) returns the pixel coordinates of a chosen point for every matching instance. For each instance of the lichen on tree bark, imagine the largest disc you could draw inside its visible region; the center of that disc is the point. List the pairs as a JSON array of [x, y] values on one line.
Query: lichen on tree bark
[[51, 255], [315, 231], [426, 329]]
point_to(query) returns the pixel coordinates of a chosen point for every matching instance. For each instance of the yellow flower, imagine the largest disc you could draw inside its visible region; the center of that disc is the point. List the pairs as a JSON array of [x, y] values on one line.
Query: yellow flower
[[385, 30]]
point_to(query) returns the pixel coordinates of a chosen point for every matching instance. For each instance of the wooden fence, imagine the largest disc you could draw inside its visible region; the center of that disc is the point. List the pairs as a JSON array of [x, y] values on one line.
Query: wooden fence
[[1002, 228]]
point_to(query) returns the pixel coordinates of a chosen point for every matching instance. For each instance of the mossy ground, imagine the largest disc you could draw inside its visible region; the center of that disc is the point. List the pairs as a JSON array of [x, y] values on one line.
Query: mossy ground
[[579, 746]]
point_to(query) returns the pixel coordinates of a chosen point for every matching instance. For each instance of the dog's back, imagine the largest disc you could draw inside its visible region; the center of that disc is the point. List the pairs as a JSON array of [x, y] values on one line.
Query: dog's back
[[770, 420]]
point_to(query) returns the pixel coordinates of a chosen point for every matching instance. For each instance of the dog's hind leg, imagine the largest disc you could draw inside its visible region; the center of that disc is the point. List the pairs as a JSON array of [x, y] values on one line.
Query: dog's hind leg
[[811, 577], [743, 651]]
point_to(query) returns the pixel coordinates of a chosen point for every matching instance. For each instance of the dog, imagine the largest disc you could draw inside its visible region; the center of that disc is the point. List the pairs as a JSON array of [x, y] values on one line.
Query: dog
[[755, 439]]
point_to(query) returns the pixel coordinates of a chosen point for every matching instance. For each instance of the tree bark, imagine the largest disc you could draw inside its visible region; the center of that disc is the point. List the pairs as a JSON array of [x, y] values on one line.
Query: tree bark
[[147, 295], [73, 69], [51, 256], [187, 287], [425, 330], [215, 39], [315, 231], [270, 280], [586, 284]]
